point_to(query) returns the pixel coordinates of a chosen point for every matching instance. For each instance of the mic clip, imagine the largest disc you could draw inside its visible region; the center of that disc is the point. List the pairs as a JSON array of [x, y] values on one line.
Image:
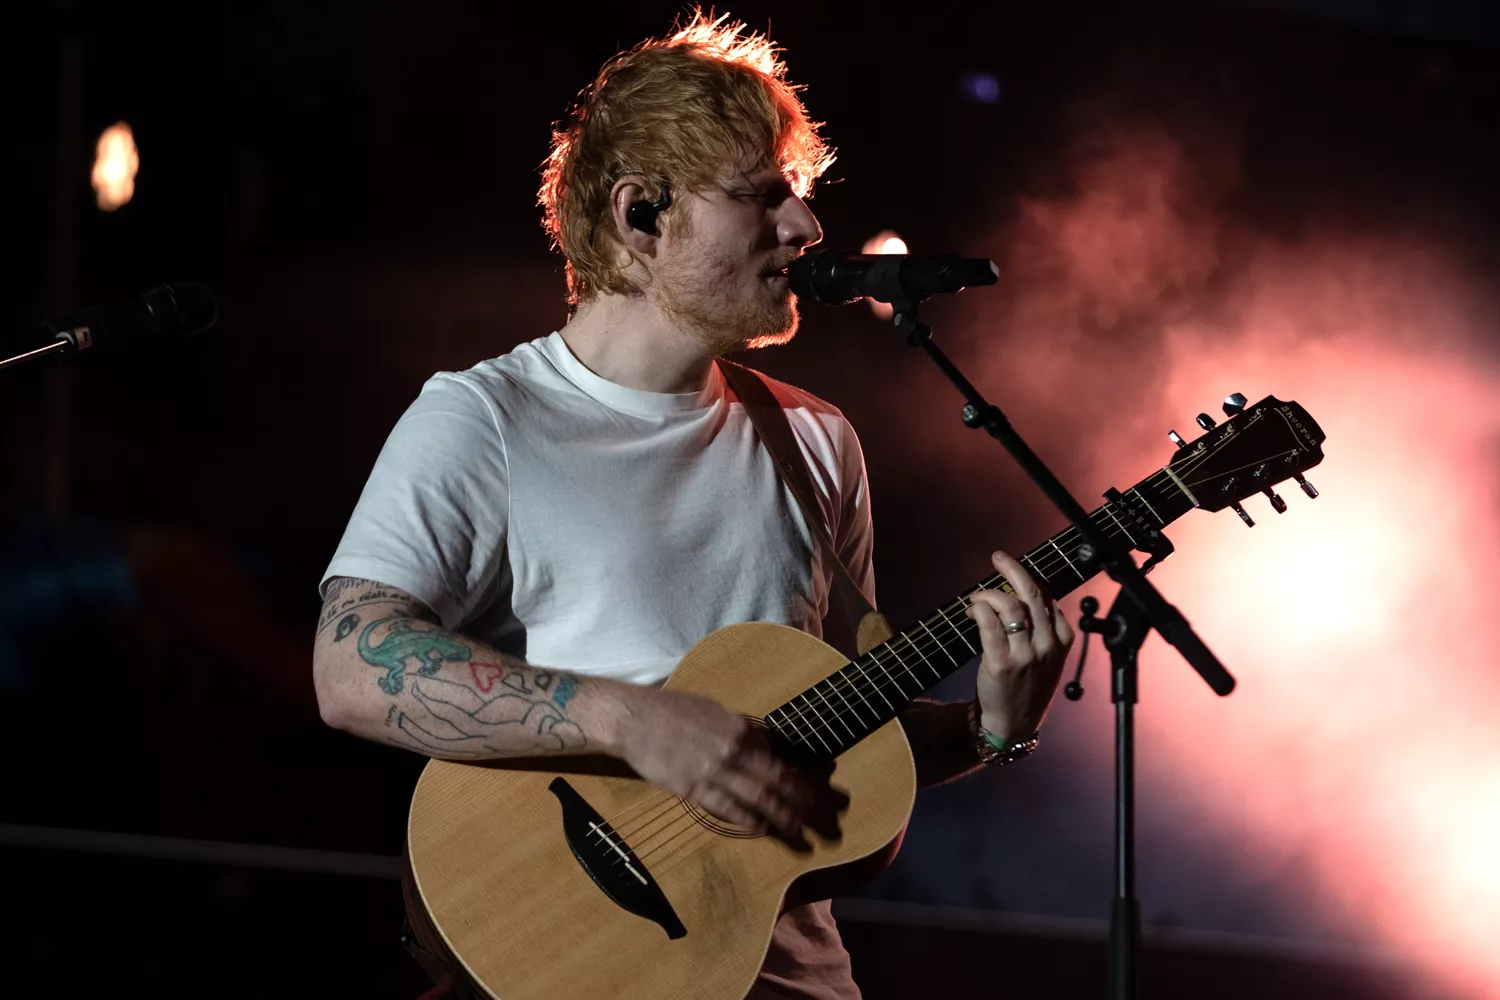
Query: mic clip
[[74, 332]]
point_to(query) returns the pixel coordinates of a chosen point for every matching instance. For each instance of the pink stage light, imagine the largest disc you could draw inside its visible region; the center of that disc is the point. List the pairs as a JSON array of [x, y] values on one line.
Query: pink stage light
[[1357, 765]]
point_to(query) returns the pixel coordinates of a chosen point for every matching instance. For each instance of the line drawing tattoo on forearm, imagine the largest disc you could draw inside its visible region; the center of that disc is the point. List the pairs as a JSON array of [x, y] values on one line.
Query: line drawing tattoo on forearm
[[464, 723], [492, 709]]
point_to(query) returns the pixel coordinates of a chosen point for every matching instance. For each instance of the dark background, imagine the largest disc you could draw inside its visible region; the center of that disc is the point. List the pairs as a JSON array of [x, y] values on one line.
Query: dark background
[[357, 182]]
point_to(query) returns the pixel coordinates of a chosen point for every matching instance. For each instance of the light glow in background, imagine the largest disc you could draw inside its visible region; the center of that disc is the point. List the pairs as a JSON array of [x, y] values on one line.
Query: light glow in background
[[885, 241], [1361, 749], [116, 161]]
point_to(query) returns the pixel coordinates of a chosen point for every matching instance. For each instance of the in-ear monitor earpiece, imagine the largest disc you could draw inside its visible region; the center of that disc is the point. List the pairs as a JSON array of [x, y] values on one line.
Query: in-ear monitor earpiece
[[642, 215]]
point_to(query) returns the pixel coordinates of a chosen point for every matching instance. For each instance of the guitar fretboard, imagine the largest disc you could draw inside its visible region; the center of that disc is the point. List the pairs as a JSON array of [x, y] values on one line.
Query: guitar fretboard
[[842, 709]]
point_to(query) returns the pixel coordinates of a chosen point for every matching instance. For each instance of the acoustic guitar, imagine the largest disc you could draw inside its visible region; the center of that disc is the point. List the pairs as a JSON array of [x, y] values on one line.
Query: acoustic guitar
[[569, 877]]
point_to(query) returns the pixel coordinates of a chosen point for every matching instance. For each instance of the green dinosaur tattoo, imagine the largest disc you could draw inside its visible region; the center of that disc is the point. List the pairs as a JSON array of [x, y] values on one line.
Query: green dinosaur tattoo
[[404, 644]]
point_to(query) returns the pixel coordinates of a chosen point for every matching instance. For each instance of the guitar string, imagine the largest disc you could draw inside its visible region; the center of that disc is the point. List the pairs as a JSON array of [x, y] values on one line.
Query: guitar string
[[669, 858], [666, 801], [813, 718], [635, 830], [639, 849], [661, 855]]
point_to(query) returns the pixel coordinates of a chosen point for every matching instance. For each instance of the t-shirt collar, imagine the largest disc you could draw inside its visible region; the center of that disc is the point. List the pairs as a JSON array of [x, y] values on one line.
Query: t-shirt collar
[[620, 397]]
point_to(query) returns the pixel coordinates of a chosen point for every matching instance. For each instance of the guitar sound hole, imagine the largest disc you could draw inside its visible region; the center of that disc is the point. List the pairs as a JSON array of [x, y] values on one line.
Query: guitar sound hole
[[723, 828]]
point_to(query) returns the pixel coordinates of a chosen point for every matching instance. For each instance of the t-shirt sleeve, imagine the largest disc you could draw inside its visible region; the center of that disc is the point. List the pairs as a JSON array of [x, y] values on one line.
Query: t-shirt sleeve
[[855, 540], [432, 517]]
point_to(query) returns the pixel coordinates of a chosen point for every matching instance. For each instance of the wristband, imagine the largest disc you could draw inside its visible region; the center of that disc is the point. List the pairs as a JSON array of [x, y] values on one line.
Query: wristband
[[994, 749]]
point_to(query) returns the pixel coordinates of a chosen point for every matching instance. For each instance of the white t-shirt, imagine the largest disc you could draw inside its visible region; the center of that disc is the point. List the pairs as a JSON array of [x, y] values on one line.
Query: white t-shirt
[[587, 526]]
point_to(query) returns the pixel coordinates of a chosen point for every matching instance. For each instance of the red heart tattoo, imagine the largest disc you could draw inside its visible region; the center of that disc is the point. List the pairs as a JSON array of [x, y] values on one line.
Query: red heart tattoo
[[486, 674]]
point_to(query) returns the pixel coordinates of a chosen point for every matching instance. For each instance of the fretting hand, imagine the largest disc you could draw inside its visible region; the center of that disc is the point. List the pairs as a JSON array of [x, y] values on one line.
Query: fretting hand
[[1025, 641]]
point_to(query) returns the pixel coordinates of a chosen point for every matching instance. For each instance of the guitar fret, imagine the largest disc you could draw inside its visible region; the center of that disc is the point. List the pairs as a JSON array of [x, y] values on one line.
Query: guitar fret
[[1141, 497], [1053, 543], [860, 694], [909, 673], [786, 728], [836, 714], [885, 672], [1110, 510], [1042, 576], [939, 645], [888, 675], [816, 719], [833, 682], [798, 723], [963, 638], [875, 684], [921, 656]]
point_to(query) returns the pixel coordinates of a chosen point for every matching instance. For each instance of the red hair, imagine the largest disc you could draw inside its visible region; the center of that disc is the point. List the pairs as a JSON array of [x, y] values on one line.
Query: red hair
[[678, 109]]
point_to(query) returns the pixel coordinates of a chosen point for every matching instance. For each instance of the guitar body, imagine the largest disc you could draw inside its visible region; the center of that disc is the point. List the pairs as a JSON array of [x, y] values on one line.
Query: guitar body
[[497, 876]]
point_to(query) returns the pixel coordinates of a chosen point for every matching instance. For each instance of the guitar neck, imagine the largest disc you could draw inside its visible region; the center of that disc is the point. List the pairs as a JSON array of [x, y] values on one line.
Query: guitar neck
[[842, 709]]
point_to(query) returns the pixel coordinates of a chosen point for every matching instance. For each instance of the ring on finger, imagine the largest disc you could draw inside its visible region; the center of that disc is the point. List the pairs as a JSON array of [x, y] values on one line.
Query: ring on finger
[[1011, 628]]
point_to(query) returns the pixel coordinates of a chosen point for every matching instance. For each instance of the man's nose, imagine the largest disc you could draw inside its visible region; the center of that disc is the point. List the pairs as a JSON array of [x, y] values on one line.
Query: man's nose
[[797, 226]]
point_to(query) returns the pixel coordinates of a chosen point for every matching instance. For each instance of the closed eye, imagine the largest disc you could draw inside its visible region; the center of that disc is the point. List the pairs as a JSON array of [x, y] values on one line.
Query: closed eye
[[771, 195]]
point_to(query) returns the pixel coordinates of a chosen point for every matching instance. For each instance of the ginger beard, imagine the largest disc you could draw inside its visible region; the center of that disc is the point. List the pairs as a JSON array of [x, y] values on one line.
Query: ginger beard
[[725, 297]]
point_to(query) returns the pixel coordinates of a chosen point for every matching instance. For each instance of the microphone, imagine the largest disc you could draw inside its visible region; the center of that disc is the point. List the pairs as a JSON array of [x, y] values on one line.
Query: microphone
[[168, 312], [838, 278], [165, 313]]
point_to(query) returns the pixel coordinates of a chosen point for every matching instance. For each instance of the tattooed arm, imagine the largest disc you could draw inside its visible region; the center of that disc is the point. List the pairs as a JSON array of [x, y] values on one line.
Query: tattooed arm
[[386, 670]]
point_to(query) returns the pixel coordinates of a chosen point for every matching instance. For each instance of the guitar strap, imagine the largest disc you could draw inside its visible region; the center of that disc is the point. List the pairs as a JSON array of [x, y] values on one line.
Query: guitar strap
[[858, 627]]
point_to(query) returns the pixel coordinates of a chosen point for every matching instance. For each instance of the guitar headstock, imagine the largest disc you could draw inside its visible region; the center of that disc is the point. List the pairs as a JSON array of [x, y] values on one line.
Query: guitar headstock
[[1256, 448]]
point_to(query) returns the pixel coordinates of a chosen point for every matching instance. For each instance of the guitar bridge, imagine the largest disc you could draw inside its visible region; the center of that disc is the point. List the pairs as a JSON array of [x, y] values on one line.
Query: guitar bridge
[[610, 862]]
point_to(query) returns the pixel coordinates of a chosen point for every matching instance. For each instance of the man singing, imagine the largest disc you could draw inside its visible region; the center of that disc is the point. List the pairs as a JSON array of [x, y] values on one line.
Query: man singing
[[577, 513]]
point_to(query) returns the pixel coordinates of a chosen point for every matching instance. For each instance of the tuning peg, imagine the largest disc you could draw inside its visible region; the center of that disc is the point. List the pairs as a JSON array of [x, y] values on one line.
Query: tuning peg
[[1307, 487], [1205, 421], [1249, 522], [1234, 404], [1277, 504], [1177, 439]]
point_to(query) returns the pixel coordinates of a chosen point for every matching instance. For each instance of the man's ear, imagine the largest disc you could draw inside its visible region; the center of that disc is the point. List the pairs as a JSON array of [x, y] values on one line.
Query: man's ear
[[628, 191]]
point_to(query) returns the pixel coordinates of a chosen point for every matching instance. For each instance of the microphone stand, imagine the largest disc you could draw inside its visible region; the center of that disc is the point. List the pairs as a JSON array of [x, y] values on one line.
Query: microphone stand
[[59, 346], [70, 338], [1139, 608]]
